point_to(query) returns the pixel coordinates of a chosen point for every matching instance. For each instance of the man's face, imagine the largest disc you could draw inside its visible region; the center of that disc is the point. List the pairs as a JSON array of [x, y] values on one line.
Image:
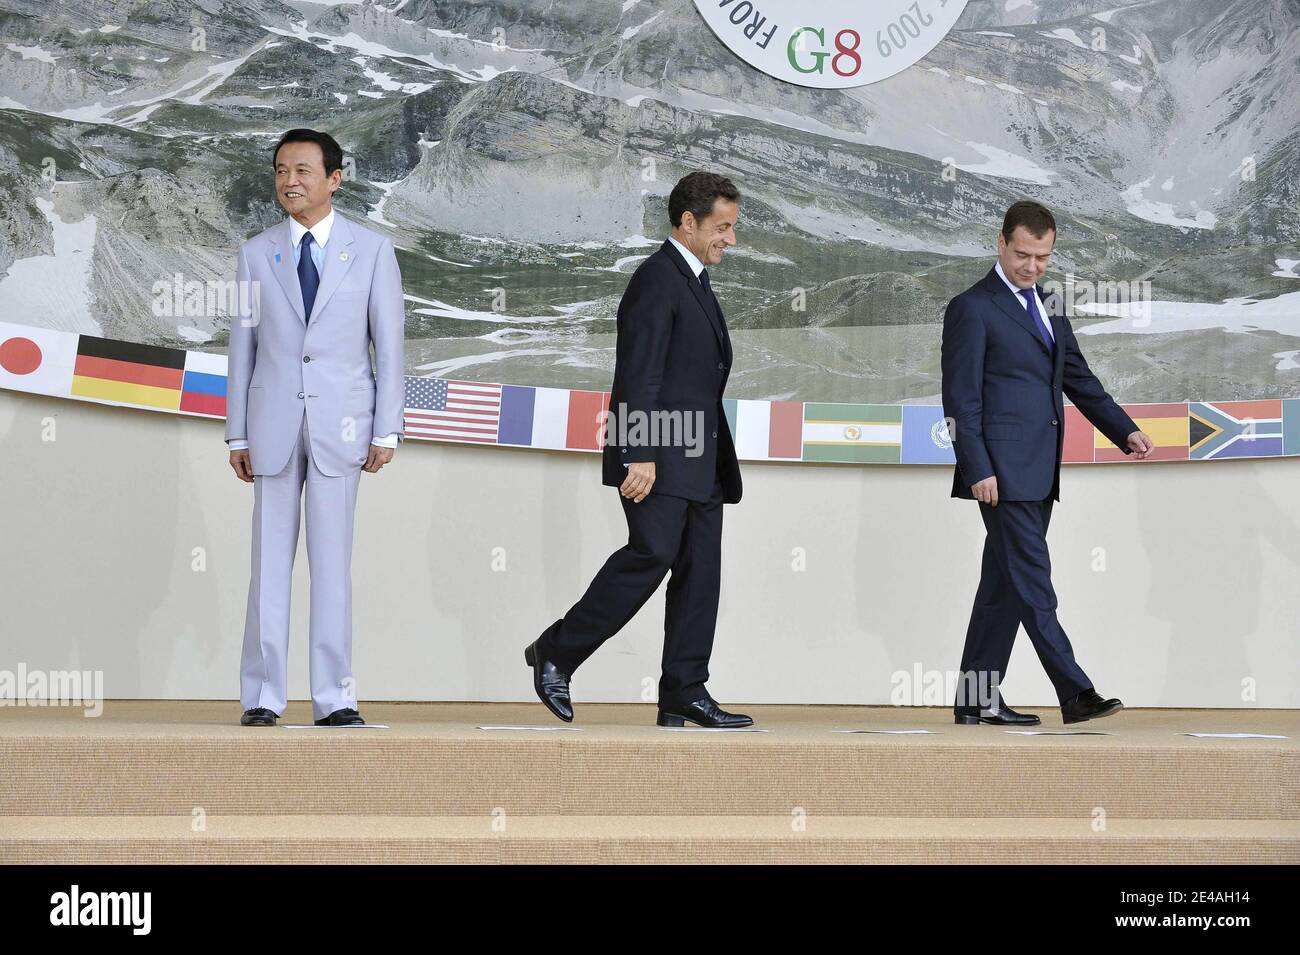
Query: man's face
[[301, 184], [709, 237], [1024, 257]]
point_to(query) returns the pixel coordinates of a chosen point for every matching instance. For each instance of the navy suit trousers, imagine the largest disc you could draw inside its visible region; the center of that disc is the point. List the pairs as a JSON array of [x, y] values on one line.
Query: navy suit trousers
[[1015, 588]]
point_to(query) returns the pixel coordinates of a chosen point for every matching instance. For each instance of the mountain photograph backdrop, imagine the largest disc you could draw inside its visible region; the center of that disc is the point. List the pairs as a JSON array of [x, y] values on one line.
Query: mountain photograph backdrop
[[520, 154]]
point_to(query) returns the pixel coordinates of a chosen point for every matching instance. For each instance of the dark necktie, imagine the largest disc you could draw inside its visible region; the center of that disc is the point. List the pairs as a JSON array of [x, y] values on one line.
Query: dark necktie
[[1028, 295], [704, 280], [717, 313], [307, 275]]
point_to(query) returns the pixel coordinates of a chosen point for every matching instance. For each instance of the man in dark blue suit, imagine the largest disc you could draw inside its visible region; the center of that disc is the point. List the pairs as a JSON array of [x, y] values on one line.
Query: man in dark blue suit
[[669, 451], [1008, 355]]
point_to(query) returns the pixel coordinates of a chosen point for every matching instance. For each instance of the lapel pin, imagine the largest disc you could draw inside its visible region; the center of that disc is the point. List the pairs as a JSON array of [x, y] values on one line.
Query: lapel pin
[[343, 256], [277, 258]]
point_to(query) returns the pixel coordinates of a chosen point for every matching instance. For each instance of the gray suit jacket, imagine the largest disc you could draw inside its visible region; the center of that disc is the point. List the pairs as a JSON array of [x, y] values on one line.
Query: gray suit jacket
[[284, 364]]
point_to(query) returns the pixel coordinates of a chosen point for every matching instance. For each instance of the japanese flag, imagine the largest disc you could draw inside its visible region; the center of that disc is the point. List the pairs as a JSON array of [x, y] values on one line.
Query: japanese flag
[[39, 360]]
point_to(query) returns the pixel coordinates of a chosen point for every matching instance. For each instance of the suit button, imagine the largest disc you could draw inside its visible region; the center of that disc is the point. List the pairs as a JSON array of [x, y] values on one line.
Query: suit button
[[306, 358], [301, 395], [721, 366], [715, 434]]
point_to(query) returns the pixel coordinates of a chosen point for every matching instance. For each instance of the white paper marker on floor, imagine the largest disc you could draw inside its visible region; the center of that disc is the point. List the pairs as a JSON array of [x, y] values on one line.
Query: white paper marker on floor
[[540, 729], [1058, 733], [892, 732], [1235, 736]]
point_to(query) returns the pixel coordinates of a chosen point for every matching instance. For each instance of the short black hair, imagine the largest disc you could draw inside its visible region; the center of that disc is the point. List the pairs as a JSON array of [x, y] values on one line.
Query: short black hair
[[1034, 216], [329, 147], [696, 192]]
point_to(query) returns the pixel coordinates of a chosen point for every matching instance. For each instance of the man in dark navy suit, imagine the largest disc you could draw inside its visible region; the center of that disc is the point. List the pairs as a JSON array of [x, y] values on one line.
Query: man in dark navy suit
[[1008, 354], [669, 451]]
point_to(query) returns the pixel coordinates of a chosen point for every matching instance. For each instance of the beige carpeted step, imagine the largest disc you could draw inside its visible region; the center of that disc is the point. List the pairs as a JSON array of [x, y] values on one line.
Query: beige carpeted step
[[648, 839], [157, 758]]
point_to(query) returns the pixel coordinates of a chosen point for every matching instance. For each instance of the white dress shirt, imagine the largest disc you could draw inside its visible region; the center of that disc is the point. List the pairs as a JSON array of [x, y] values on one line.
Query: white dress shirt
[[320, 234], [1021, 299], [696, 265]]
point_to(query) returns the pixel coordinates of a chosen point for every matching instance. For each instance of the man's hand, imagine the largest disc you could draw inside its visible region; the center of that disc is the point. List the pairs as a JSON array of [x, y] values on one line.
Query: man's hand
[[1141, 445], [640, 479], [377, 458], [242, 465], [986, 491]]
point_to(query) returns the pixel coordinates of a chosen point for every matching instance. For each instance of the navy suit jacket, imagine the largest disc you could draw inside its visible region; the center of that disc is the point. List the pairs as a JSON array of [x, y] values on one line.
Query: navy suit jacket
[[1002, 392], [673, 354]]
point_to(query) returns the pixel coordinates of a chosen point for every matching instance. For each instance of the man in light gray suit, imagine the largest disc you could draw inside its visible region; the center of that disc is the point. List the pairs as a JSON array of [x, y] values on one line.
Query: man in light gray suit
[[302, 407]]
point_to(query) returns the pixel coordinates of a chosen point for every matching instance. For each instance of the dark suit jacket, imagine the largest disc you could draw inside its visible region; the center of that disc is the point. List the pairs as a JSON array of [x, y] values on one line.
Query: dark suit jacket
[[673, 354], [1002, 391]]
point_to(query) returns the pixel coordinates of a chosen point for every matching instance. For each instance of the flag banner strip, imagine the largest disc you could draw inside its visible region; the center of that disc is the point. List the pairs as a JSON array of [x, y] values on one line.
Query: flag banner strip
[[158, 378]]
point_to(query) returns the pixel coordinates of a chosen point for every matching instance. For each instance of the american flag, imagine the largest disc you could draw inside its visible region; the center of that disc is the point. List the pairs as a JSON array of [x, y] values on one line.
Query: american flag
[[452, 410]]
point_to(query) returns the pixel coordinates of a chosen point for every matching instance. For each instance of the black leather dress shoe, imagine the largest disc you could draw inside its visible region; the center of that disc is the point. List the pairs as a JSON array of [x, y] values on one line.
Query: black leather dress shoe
[[343, 717], [1088, 705], [705, 712], [999, 715], [258, 716], [550, 682]]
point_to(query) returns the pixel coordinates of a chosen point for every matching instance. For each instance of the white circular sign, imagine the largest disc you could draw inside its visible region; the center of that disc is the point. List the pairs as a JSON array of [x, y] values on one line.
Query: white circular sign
[[830, 43]]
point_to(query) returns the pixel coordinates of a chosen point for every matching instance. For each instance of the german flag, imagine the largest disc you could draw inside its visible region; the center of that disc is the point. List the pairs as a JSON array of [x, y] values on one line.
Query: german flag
[[129, 374]]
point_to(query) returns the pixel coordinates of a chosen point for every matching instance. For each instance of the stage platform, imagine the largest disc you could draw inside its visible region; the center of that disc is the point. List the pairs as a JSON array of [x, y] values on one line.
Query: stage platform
[[161, 781]]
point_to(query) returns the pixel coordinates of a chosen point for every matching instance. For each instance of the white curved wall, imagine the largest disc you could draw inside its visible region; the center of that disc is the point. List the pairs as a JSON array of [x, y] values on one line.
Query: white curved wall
[[1193, 591]]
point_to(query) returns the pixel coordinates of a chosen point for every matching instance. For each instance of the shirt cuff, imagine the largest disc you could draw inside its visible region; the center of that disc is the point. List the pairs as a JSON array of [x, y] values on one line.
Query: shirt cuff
[[388, 441], [237, 444]]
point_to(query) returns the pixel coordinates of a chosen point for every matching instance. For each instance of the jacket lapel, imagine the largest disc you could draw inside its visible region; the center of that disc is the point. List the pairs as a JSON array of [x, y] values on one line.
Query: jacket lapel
[[280, 257], [713, 314], [1005, 299], [338, 259]]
